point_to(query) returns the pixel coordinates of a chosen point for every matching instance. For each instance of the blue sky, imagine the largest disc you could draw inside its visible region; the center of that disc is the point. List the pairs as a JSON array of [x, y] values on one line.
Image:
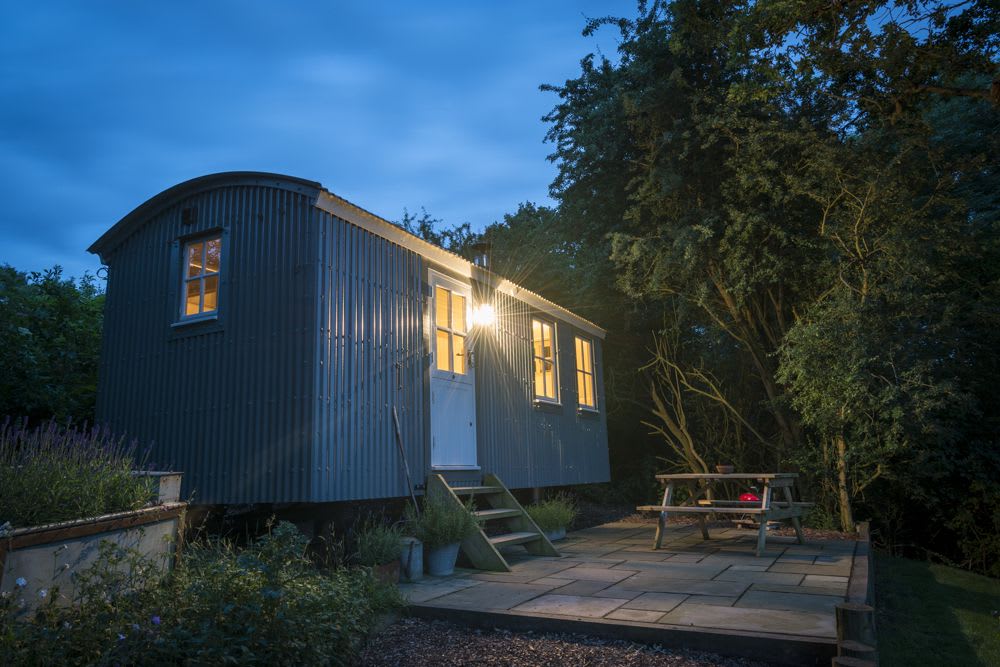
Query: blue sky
[[391, 105]]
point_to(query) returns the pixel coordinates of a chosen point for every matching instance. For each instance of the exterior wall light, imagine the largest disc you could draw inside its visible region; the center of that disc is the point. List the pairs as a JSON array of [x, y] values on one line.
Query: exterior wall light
[[483, 315]]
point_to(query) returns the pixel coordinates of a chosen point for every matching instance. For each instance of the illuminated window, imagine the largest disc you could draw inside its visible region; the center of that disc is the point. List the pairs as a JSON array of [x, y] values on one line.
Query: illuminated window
[[450, 330], [585, 373], [201, 276], [544, 353]]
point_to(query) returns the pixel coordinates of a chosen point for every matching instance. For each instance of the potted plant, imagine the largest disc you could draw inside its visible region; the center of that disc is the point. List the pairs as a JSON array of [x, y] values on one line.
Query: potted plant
[[553, 516], [441, 526], [377, 547]]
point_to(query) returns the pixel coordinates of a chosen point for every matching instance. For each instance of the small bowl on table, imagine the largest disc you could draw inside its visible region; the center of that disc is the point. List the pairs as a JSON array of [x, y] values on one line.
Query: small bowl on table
[[725, 469]]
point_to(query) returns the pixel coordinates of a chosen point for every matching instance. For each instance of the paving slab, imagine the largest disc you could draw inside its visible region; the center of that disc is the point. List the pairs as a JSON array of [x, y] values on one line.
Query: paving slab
[[571, 605], [840, 590], [823, 604], [822, 580], [657, 584], [661, 602], [584, 573], [752, 620], [583, 587], [492, 596], [716, 600], [811, 568], [422, 592], [785, 578]]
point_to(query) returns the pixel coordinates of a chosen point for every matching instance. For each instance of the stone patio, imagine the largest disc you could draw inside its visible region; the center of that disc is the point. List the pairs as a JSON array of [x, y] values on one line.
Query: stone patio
[[706, 595]]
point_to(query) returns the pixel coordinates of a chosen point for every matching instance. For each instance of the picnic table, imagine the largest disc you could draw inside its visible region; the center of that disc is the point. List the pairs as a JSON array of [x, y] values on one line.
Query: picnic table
[[698, 504]]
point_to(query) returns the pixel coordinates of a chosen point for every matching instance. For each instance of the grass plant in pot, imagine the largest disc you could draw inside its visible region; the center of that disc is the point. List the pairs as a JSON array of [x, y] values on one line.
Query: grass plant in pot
[[554, 516], [441, 526], [377, 546]]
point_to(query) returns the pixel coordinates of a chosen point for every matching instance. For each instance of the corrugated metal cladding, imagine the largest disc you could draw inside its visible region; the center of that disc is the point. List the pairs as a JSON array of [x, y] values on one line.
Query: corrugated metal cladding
[[288, 396], [525, 443], [231, 402], [371, 358]]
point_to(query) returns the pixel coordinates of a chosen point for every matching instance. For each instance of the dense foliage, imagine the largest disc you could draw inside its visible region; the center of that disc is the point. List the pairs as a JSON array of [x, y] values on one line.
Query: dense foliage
[[258, 606], [50, 342], [52, 473], [786, 214]]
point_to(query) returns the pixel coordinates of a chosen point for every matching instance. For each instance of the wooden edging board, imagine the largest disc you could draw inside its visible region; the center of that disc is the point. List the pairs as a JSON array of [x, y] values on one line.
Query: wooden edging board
[[68, 530]]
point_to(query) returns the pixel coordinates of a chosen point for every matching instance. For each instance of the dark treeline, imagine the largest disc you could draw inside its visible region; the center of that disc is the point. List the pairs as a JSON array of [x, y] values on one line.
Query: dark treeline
[[786, 216]]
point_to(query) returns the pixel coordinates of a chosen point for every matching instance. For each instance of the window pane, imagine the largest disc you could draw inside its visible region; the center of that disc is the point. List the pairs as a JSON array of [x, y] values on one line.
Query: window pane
[[539, 378], [441, 301], [536, 337], [211, 294], [212, 254], [192, 298], [581, 387], [550, 380], [459, 343], [194, 259], [443, 354], [458, 312]]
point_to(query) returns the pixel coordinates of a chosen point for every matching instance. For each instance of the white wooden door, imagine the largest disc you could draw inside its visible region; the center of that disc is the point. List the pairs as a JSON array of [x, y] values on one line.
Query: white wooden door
[[453, 386]]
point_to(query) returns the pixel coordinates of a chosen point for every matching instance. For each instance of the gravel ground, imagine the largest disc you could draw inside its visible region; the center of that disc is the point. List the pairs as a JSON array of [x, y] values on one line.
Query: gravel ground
[[412, 641]]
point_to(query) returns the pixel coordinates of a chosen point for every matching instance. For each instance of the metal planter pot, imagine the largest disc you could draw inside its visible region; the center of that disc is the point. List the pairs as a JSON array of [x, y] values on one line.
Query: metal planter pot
[[441, 561], [411, 559], [557, 534]]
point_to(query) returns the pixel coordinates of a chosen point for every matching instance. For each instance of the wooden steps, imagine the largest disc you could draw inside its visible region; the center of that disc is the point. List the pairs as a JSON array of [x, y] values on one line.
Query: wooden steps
[[512, 538], [494, 503]]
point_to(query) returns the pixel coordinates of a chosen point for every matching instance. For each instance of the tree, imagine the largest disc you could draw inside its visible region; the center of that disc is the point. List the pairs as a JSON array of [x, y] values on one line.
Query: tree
[[50, 341]]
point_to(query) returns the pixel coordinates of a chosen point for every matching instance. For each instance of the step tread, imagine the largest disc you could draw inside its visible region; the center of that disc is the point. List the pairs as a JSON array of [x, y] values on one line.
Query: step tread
[[466, 490], [514, 538], [497, 513]]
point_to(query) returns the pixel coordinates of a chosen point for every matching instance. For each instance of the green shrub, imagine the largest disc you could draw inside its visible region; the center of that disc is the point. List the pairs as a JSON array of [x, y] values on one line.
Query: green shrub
[[442, 522], [377, 543], [554, 513], [53, 473], [266, 604]]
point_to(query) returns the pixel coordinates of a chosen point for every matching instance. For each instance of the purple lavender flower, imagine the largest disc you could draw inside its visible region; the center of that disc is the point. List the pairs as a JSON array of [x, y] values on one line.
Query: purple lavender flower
[[155, 620]]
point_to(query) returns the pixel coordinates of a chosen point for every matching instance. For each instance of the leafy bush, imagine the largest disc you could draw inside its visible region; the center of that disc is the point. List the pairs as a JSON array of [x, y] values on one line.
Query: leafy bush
[[442, 522], [554, 513], [50, 344], [53, 473], [377, 543], [266, 604]]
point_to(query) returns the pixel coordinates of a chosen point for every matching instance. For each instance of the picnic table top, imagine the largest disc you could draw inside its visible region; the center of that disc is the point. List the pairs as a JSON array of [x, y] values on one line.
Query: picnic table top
[[732, 475]]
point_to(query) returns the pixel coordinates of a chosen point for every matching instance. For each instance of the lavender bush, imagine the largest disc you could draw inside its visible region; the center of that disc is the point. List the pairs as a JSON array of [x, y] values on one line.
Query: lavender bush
[[57, 473]]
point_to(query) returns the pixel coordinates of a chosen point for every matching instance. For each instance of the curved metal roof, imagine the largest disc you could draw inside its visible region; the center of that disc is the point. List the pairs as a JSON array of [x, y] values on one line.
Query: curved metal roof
[[340, 207]]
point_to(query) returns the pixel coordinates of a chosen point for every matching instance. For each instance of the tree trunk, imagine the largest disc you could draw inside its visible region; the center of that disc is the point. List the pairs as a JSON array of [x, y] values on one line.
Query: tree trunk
[[843, 492]]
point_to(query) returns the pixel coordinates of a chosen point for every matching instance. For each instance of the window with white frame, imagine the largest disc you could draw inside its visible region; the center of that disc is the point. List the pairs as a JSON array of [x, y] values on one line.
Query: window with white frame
[[585, 383], [451, 330], [200, 289], [544, 357]]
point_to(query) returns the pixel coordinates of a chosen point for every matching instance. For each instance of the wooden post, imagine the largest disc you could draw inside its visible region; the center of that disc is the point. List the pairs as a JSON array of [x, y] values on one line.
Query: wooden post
[[856, 631], [661, 522]]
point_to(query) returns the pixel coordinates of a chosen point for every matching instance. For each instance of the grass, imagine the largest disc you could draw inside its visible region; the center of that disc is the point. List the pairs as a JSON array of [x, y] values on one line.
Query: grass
[[935, 615]]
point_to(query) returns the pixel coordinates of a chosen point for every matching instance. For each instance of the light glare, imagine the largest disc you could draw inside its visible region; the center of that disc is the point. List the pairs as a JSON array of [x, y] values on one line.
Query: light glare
[[483, 315]]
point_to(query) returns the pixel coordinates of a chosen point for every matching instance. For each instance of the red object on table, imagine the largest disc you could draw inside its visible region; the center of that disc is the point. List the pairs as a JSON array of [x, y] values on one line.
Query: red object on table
[[749, 498]]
